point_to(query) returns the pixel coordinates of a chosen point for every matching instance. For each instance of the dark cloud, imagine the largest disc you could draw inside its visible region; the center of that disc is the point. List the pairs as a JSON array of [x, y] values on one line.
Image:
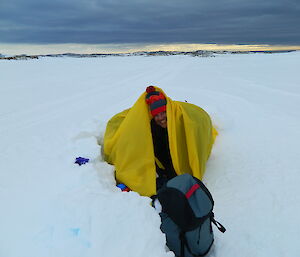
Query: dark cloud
[[138, 21]]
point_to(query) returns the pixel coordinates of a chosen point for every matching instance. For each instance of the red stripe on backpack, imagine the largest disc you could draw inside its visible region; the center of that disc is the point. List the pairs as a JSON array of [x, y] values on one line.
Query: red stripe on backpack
[[192, 190]]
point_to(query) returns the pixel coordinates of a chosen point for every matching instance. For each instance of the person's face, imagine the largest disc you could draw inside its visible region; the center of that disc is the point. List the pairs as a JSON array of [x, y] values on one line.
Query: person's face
[[161, 119]]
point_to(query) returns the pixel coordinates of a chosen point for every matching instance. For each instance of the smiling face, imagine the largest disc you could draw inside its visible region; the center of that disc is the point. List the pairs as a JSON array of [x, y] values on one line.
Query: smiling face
[[161, 119]]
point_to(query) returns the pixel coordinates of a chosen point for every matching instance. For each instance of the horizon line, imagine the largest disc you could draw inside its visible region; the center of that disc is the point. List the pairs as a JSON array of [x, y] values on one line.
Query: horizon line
[[40, 49]]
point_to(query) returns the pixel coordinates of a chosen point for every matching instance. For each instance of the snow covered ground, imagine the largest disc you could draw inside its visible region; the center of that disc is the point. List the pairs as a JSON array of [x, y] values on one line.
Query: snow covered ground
[[53, 110]]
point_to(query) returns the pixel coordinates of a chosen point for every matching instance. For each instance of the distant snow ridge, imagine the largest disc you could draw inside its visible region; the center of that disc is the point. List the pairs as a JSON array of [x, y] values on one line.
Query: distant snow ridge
[[198, 53]]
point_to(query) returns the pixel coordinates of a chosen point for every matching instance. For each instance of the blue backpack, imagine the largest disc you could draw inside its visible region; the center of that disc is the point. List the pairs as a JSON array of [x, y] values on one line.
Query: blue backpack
[[187, 216]]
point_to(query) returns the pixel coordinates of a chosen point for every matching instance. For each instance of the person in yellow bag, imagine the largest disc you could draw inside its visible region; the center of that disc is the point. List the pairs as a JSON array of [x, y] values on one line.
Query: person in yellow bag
[[156, 140]]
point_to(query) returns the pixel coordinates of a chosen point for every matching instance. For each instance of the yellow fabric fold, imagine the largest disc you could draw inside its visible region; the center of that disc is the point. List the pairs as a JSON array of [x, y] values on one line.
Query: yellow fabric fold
[[128, 143]]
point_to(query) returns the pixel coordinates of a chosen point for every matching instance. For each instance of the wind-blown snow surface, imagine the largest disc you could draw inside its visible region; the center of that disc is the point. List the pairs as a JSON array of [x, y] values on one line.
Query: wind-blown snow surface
[[53, 110]]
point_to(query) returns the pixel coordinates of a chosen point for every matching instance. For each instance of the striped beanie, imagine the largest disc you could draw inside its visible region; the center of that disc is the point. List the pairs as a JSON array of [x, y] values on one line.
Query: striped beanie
[[156, 101]]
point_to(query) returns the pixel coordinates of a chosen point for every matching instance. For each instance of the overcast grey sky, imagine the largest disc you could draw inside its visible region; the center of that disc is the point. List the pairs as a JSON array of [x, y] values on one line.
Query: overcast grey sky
[[152, 21]]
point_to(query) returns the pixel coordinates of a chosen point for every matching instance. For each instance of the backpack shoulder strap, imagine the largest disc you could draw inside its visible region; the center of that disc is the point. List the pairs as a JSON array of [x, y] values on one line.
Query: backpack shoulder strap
[[217, 224], [182, 243]]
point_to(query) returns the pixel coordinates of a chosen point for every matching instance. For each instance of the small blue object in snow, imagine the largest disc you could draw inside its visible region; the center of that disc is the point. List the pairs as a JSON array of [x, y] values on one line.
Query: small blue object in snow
[[121, 186], [81, 160], [75, 231]]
